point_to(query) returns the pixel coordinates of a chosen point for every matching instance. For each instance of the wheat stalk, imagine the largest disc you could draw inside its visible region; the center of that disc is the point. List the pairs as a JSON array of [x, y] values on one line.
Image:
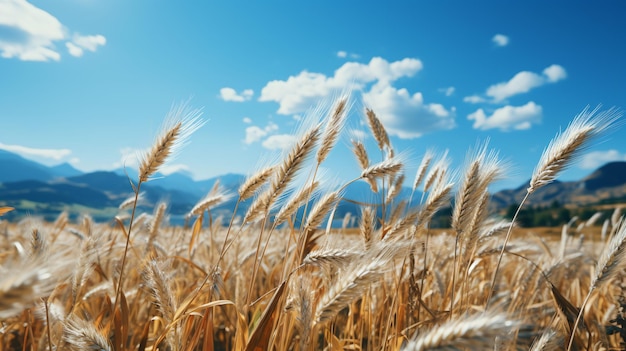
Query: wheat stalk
[[247, 188], [611, 262], [478, 332], [285, 173], [558, 155], [351, 282], [294, 202], [180, 123], [387, 167], [211, 200], [333, 128], [423, 167], [377, 128], [565, 146], [82, 335], [321, 208]]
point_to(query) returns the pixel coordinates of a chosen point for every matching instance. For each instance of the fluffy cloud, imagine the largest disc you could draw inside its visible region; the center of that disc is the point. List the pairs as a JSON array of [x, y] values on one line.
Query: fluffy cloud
[[500, 40], [230, 94], [29, 33], [507, 117], [524, 81], [404, 114], [298, 93], [279, 141], [80, 43], [474, 99], [255, 133], [53, 154], [595, 159], [247, 120], [554, 73]]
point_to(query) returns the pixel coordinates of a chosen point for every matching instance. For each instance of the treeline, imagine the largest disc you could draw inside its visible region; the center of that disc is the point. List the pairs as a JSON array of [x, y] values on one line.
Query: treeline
[[553, 215]]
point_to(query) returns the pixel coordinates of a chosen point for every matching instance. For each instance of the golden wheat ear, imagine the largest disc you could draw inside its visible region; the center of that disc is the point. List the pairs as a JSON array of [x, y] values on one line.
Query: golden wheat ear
[[179, 124], [567, 145], [478, 332]]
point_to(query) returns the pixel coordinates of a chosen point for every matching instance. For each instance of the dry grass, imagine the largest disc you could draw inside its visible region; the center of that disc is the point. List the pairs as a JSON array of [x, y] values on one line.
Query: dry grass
[[392, 283]]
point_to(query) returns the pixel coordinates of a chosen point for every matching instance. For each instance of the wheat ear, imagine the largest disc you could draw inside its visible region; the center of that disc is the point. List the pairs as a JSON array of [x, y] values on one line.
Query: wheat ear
[[377, 128], [351, 282], [212, 199], [361, 156], [254, 182], [333, 128], [180, 123], [477, 332], [294, 202], [387, 167], [558, 155], [565, 146], [82, 335], [284, 174]]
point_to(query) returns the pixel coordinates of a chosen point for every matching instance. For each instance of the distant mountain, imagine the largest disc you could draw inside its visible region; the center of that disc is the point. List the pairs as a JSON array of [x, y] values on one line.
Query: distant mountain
[[16, 168], [38, 189], [65, 170], [607, 182], [104, 181], [610, 175], [59, 193]]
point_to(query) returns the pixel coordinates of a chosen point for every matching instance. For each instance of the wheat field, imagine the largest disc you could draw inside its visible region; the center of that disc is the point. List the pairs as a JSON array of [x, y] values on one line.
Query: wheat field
[[280, 278]]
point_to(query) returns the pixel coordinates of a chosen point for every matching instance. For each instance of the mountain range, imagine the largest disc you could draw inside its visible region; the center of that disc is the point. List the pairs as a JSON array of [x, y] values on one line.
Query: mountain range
[[36, 189]]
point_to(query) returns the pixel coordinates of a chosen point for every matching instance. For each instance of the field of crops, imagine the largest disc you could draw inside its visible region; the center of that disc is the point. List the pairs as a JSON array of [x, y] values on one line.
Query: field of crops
[[279, 279]]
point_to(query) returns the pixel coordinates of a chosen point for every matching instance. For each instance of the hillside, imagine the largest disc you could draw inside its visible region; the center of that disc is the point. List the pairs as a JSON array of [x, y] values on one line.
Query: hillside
[[40, 190], [604, 184]]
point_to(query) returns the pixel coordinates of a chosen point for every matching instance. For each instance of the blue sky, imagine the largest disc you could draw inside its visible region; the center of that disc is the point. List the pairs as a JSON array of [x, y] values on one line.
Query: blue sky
[[90, 81]]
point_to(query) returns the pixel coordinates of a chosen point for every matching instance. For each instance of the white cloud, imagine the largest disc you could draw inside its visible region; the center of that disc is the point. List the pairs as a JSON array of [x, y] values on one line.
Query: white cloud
[[474, 99], [80, 43], [54, 154], [447, 91], [73, 49], [406, 115], [595, 159], [29, 33], [508, 117], [230, 94], [255, 133], [247, 120], [298, 93], [500, 40], [279, 142], [554, 73], [345, 54], [524, 81]]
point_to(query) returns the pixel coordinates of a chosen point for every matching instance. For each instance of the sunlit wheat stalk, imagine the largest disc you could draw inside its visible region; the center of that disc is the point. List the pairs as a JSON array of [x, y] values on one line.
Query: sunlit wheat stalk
[[563, 148]]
